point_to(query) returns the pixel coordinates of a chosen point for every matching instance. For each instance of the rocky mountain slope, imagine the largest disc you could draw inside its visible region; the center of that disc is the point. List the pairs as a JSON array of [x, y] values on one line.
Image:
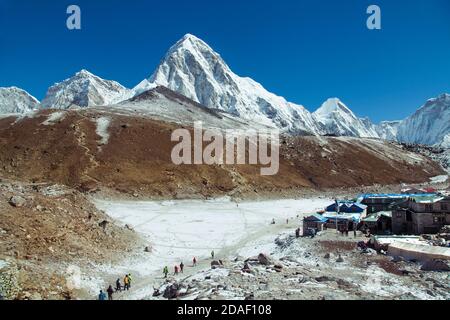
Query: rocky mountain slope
[[49, 232], [15, 100]]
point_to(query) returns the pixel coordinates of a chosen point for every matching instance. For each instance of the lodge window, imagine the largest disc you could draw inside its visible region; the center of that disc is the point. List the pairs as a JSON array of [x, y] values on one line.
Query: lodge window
[[444, 207], [399, 215], [428, 207], [438, 219]]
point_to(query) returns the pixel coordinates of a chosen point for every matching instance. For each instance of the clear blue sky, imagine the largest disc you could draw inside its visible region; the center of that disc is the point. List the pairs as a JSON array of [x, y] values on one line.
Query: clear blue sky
[[305, 51]]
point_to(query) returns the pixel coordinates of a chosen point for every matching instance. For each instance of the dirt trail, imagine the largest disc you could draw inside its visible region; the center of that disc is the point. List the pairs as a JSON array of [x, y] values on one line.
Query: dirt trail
[[82, 142]]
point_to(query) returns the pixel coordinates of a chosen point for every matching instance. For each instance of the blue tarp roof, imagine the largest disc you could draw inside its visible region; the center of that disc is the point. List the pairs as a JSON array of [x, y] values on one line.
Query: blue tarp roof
[[348, 207], [344, 216], [391, 195]]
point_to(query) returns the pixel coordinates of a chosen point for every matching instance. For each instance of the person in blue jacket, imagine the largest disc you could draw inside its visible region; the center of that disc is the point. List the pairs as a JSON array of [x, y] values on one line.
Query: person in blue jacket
[[102, 295]]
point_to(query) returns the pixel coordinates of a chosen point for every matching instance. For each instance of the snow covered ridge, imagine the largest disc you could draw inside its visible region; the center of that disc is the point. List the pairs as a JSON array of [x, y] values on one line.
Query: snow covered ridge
[[429, 125], [15, 100], [84, 90], [192, 68]]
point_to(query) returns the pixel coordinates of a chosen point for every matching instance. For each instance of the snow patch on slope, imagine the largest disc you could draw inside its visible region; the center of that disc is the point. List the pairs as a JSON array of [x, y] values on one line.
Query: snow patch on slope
[[54, 117], [102, 129]]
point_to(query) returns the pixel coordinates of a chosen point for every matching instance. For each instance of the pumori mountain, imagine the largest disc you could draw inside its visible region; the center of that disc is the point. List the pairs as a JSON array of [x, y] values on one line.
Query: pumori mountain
[[196, 71], [84, 90], [15, 100], [428, 125]]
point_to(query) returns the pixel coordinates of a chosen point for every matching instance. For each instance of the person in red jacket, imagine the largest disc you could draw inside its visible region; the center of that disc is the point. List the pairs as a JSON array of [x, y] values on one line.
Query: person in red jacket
[[194, 262]]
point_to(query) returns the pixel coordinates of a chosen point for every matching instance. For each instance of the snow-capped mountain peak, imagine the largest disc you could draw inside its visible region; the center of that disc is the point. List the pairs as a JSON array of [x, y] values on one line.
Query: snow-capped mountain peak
[[334, 105], [337, 119], [387, 130], [84, 89], [430, 124], [192, 68], [16, 100]]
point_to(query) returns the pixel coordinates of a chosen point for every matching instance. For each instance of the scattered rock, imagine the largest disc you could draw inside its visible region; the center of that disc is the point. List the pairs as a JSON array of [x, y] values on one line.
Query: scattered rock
[[171, 291], [103, 224], [251, 296], [369, 252], [215, 264], [264, 259], [246, 268], [435, 265], [327, 255], [17, 201], [398, 259], [148, 249], [340, 259], [324, 279], [278, 267]]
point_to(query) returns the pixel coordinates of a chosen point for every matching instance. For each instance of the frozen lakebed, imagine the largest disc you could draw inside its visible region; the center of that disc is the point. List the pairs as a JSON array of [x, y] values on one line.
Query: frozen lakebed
[[178, 230]]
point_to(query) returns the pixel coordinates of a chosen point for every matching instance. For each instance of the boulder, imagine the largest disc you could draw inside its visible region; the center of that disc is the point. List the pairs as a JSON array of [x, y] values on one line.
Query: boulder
[[264, 259], [340, 259], [369, 252], [250, 296], [246, 268], [435, 265], [324, 279], [17, 201], [171, 291], [215, 264]]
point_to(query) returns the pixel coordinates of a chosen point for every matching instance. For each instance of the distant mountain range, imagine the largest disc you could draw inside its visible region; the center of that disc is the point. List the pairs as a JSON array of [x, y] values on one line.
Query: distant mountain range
[[194, 70]]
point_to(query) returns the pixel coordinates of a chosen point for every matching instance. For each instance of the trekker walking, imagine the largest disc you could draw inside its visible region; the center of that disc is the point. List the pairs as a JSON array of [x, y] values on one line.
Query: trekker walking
[[176, 270], [166, 271], [129, 281], [126, 283], [110, 292], [212, 254], [181, 267], [118, 285], [102, 295], [194, 262]]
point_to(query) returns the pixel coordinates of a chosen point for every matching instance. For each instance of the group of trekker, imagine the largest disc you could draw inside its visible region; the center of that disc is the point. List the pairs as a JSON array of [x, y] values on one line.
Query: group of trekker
[[127, 279], [110, 291], [180, 268]]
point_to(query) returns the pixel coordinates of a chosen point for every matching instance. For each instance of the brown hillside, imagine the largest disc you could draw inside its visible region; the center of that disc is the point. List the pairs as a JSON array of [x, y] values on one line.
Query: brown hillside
[[136, 159]]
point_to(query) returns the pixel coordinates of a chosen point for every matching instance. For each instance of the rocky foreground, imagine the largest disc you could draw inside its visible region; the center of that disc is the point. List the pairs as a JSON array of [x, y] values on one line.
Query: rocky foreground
[[327, 267], [47, 230]]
